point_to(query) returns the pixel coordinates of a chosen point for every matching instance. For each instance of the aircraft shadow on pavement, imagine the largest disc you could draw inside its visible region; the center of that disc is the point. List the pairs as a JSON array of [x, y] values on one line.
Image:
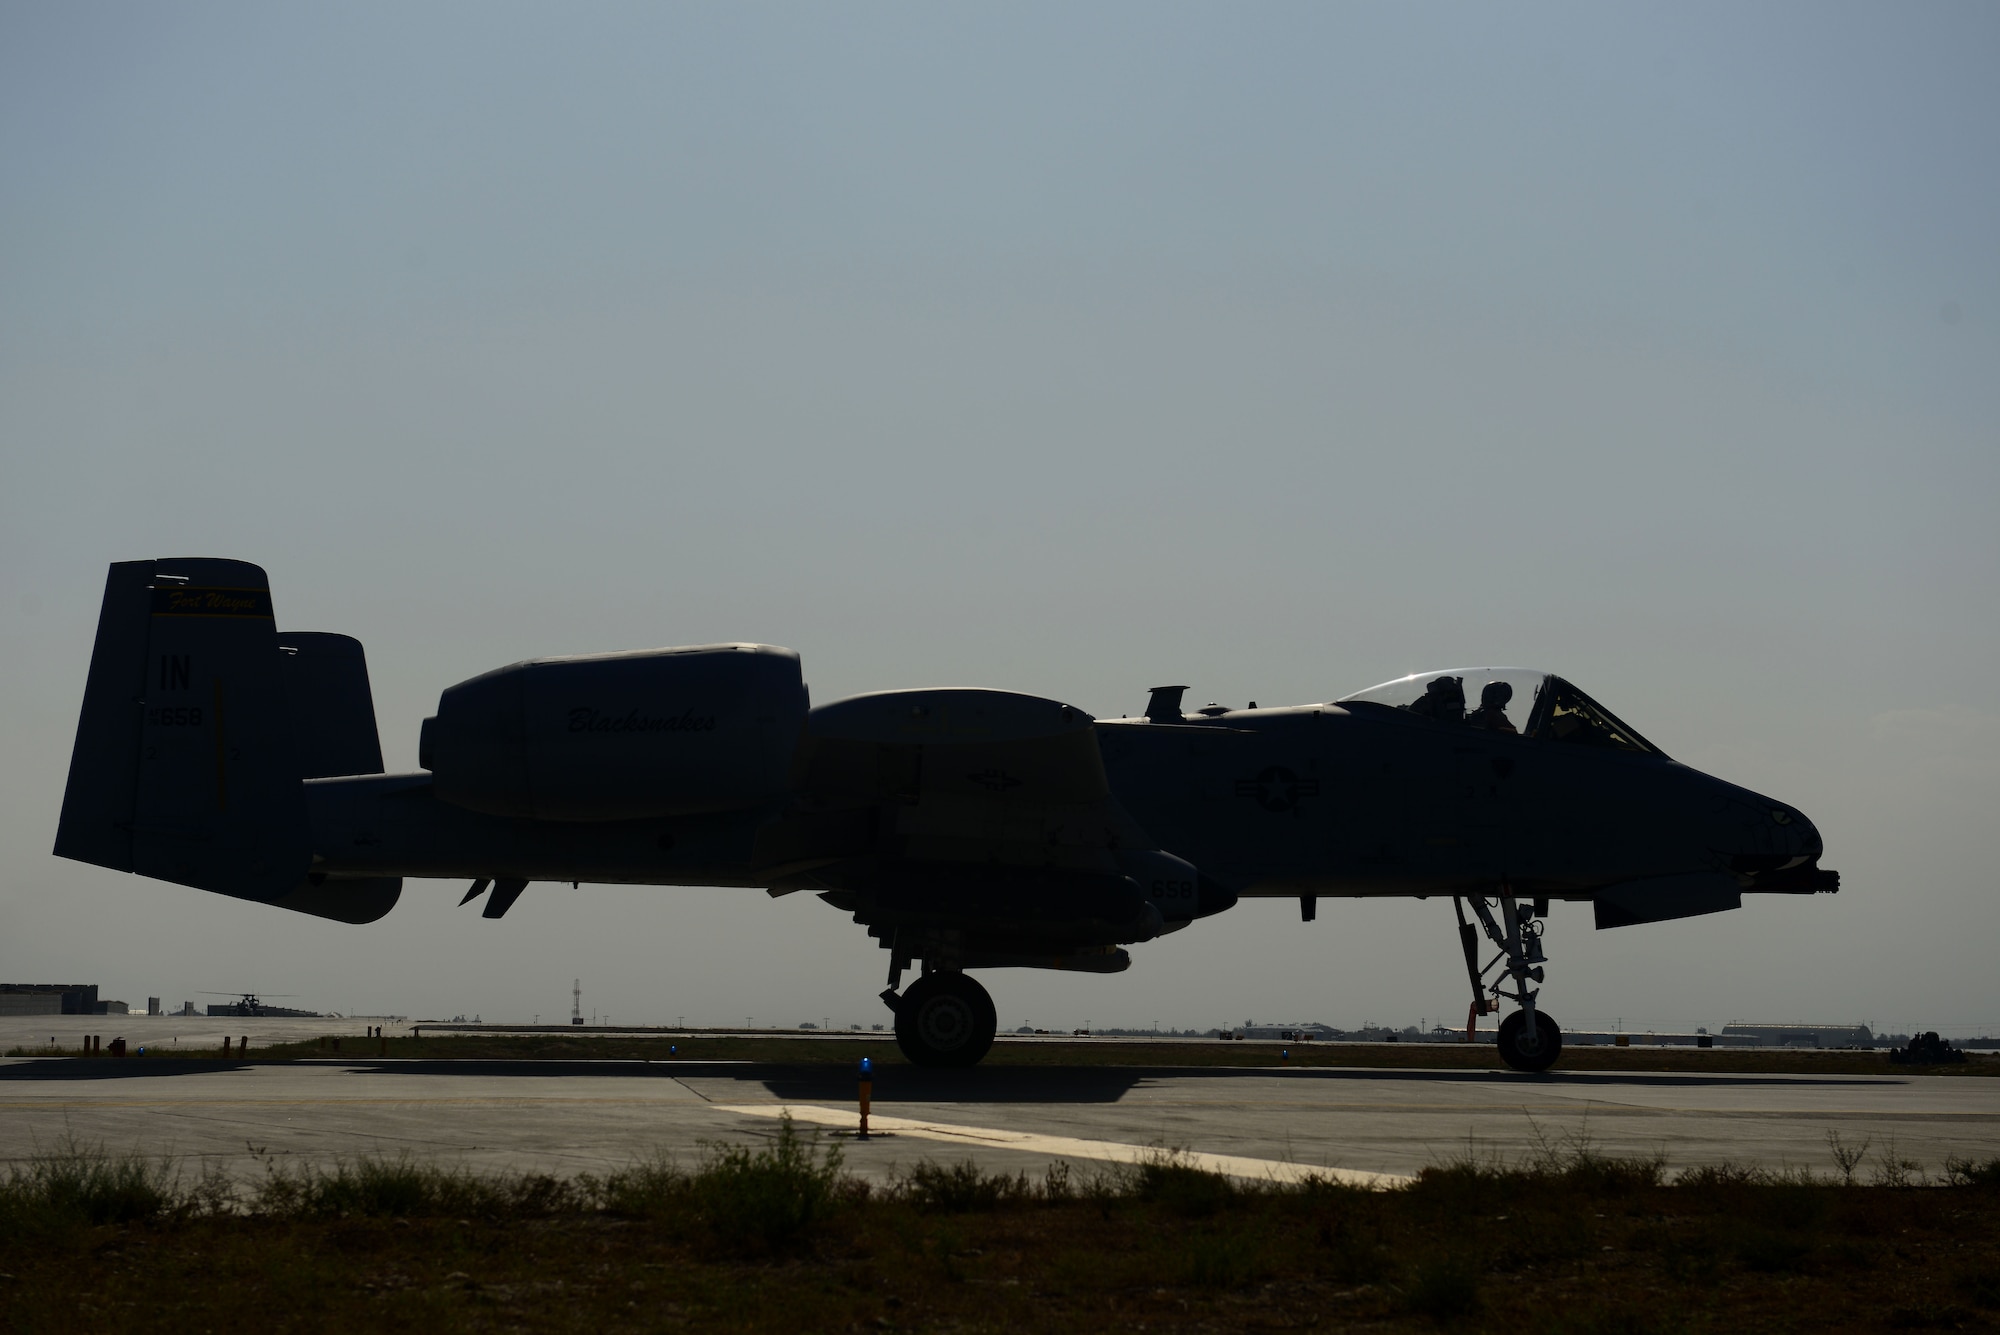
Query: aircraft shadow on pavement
[[811, 1084], [1588, 1079], [1108, 1084], [1040, 1084], [111, 1069], [913, 1084]]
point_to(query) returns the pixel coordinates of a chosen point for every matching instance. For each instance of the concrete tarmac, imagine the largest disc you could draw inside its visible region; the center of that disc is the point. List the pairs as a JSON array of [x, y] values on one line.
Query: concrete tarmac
[[568, 1117]]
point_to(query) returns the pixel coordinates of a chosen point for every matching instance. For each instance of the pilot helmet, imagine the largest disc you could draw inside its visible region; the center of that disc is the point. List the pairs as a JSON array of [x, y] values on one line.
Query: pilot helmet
[[1446, 688], [1495, 695]]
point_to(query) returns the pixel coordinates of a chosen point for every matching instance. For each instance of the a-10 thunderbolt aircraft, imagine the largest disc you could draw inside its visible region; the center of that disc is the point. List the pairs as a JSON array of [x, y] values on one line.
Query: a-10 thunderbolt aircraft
[[964, 829]]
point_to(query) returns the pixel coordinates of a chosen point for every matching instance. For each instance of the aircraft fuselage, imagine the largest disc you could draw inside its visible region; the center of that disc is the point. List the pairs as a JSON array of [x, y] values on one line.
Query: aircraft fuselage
[[1302, 801]]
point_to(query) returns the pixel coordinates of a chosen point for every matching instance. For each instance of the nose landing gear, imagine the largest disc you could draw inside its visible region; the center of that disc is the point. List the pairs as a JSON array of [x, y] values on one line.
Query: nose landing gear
[[945, 1018], [1529, 1039], [1529, 1046]]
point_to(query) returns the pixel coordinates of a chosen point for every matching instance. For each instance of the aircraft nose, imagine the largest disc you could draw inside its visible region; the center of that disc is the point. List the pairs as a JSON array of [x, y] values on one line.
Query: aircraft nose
[[1774, 849], [1809, 836], [1770, 836], [1805, 839]]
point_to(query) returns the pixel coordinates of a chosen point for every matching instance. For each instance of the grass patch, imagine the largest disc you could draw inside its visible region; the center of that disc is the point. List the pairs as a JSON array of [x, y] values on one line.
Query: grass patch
[[1972, 1172], [1192, 1193], [1443, 1288], [961, 1188], [1619, 1317], [1980, 1287], [773, 1196], [772, 1235], [76, 1186], [1570, 1165], [404, 1187], [769, 1198], [1224, 1259]]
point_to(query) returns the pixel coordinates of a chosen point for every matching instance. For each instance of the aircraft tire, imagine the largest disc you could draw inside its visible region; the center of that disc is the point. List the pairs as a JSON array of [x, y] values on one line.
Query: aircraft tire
[[1523, 1053], [945, 1019]]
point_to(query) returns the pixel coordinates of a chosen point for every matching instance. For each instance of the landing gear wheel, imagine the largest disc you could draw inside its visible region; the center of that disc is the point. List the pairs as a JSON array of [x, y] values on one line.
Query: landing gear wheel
[[1530, 1052], [945, 1019]]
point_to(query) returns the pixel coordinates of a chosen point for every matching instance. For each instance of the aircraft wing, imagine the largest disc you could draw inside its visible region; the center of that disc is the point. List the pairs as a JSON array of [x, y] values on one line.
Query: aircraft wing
[[984, 809]]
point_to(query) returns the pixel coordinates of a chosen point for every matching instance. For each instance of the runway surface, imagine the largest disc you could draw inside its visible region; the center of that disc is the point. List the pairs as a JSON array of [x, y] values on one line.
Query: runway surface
[[568, 1117]]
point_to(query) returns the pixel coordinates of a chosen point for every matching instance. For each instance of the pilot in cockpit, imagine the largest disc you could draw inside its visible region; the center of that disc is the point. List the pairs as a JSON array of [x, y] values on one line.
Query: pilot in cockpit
[[1492, 711], [1443, 699]]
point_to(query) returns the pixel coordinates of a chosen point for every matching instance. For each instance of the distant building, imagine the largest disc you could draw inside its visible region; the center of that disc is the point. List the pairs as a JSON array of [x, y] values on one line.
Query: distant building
[[1801, 1035], [54, 999], [1285, 1033], [17, 1000]]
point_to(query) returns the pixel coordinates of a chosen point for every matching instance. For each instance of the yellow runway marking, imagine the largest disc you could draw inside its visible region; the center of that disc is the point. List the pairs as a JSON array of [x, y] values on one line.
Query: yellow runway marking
[[1110, 1151]]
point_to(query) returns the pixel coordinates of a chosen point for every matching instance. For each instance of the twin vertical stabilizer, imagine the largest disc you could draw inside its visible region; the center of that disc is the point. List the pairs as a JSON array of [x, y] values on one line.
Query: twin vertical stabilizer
[[188, 764]]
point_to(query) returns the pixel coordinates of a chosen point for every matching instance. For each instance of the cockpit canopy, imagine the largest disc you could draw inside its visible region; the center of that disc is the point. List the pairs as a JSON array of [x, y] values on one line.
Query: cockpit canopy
[[1519, 701]]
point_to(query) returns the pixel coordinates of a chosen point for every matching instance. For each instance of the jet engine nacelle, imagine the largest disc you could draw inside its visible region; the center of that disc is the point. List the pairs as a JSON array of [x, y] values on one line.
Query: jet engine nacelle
[[599, 737]]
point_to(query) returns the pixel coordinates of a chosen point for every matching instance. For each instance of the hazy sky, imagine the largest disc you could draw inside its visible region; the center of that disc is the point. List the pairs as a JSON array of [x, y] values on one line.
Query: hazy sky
[[1277, 349]]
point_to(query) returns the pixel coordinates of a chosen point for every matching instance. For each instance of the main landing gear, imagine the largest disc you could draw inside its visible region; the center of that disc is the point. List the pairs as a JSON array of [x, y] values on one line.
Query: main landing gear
[[945, 1018], [1529, 1039]]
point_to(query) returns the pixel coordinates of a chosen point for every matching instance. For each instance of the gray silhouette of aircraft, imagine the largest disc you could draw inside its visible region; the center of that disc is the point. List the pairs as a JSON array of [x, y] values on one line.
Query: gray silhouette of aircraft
[[963, 829]]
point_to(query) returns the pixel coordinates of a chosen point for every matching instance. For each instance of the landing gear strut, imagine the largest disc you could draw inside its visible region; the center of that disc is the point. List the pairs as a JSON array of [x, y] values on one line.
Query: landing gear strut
[[945, 1018], [1529, 1039]]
